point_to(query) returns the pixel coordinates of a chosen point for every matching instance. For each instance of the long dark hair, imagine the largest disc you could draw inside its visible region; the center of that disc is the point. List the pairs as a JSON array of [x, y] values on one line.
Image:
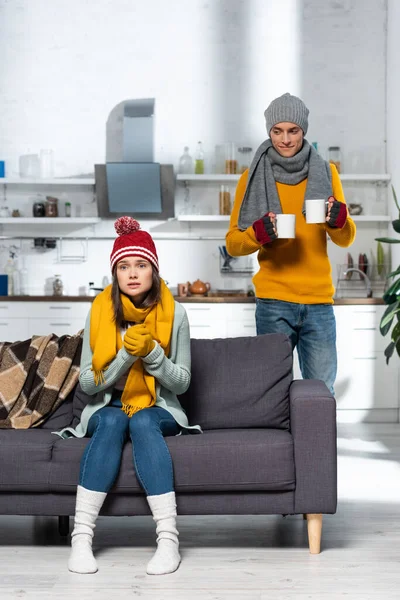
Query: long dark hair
[[153, 296]]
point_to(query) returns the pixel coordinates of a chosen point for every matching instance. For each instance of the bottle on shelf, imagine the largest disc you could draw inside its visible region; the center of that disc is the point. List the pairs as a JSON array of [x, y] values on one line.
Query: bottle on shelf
[[23, 278], [199, 159], [186, 165], [9, 271]]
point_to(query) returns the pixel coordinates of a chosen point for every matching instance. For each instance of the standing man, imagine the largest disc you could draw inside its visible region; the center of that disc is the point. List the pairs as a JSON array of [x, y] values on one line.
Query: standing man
[[294, 288]]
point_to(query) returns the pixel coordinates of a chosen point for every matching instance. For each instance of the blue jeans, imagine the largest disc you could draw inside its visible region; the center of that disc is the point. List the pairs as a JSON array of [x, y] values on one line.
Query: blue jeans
[[110, 429], [310, 327]]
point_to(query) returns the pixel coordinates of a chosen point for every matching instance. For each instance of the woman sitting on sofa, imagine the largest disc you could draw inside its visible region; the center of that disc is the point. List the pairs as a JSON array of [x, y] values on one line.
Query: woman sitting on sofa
[[135, 360]]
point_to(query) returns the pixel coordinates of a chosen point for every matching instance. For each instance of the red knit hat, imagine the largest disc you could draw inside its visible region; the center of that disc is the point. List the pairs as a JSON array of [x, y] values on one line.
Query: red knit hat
[[132, 241]]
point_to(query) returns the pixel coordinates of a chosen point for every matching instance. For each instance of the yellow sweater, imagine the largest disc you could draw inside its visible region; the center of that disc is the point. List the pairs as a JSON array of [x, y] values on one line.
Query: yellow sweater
[[295, 270]]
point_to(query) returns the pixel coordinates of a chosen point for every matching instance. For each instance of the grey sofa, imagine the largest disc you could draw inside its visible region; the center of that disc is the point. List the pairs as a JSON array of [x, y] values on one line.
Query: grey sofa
[[268, 445]]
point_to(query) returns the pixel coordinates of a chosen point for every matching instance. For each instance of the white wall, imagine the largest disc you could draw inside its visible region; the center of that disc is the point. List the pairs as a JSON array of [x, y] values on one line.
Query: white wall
[[213, 67]]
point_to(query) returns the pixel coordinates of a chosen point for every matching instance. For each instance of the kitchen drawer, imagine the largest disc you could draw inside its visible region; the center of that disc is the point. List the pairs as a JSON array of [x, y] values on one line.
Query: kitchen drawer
[[12, 330], [58, 324], [66, 310], [209, 330], [203, 313], [366, 383], [241, 328], [14, 309]]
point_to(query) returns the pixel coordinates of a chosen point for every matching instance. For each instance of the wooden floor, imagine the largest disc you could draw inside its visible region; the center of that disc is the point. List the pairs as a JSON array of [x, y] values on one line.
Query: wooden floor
[[234, 558]]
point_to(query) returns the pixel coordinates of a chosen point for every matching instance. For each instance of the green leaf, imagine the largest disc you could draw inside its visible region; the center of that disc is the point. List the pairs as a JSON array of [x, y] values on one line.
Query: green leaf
[[396, 225], [387, 317], [394, 273], [396, 333], [389, 351], [387, 240], [393, 289]]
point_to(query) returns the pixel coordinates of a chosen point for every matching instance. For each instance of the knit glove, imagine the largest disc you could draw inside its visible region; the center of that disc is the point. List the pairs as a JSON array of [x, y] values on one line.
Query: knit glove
[[337, 213], [264, 229], [138, 340]]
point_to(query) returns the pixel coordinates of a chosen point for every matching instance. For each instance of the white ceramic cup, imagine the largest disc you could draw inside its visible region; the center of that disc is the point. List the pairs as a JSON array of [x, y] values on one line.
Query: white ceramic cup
[[316, 210], [285, 226]]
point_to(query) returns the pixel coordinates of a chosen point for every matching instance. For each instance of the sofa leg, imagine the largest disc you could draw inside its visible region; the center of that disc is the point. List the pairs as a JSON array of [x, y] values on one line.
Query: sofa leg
[[314, 528], [63, 525]]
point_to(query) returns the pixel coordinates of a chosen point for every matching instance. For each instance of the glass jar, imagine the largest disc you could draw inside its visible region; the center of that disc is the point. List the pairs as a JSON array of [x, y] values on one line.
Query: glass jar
[[230, 159], [51, 208], [335, 157], [67, 206], [58, 286], [199, 160], [224, 201], [4, 212], [39, 209], [245, 158]]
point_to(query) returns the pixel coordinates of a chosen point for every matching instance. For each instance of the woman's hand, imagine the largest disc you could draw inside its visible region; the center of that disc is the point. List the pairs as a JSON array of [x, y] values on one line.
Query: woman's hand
[[138, 340]]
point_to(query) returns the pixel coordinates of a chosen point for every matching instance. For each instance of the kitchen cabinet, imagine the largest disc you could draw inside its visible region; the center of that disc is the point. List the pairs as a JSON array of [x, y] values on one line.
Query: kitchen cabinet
[[22, 320], [366, 387]]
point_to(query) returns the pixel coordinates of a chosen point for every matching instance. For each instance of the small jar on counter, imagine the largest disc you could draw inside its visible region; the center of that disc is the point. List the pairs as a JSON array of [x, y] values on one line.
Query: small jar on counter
[[51, 207], [335, 157], [67, 206], [58, 286]]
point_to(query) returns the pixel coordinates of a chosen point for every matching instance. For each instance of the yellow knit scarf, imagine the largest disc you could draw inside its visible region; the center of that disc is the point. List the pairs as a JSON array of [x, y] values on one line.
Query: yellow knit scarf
[[105, 341]]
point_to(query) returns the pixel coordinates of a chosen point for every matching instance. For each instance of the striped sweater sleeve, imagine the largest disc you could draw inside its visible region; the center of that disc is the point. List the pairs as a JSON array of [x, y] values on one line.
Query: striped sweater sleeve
[[172, 373]]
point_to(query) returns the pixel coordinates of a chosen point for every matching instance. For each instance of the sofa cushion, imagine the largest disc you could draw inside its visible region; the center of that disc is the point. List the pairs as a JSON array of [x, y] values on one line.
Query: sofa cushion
[[62, 417], [25, 458], [218, 460], [79, 402], [240, 382]]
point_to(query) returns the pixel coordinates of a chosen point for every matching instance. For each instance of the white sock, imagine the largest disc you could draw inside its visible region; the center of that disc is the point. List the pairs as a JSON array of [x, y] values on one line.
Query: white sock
[[167, 557], [88, 505]]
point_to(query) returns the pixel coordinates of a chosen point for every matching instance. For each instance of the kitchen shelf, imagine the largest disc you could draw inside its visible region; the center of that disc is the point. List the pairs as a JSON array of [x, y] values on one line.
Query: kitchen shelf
[[202, 218], [225, 218], [49, 220], [377, 218], [222, 177], [208, 177], [86, 181]]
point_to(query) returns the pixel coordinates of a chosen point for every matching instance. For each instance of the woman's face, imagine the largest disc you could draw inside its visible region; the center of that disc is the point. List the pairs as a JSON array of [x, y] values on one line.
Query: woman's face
[[135, 277]]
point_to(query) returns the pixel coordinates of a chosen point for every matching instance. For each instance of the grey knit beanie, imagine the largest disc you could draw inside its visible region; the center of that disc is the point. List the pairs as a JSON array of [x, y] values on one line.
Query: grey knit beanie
[[289, 109]]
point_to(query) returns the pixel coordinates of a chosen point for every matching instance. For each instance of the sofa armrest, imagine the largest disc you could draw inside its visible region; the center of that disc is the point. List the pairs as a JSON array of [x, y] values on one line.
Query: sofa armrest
[[313, 427]]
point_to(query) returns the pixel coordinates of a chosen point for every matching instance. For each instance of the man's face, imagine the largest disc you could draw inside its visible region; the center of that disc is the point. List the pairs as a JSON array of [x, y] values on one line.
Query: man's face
[[287, 138]]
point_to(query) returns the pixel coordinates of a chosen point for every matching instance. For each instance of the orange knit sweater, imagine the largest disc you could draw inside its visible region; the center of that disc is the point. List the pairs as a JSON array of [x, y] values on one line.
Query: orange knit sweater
[[295, 270]]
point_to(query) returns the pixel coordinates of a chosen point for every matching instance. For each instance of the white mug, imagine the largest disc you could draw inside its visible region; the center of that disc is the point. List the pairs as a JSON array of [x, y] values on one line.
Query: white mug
[[285, 226], [316, 210]]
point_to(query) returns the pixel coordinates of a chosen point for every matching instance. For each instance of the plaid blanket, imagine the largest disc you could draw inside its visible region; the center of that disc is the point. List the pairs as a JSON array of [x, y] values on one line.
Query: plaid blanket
[[36, 376]]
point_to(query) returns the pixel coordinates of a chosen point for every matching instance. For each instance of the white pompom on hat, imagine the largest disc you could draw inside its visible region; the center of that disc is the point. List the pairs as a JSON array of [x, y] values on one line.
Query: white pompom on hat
[[132, 241]]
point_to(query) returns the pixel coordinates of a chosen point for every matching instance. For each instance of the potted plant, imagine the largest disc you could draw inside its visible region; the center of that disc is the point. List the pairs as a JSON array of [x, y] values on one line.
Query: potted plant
[[391, 317]]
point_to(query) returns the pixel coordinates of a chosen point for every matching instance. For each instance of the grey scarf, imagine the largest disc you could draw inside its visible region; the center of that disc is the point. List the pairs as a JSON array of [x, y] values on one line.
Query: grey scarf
[[269, 167]]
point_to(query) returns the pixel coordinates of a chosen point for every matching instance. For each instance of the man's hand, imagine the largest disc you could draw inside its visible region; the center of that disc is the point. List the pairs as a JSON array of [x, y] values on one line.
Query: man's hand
[[138, 340], [265, 228], [337, 213]]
